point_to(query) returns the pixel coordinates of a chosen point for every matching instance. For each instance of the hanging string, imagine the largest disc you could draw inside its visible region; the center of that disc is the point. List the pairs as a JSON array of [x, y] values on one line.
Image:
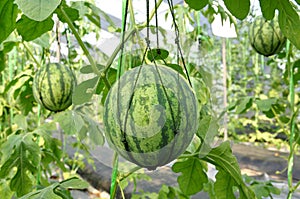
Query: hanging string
[[177, 42], [156, 25], [124, 21]]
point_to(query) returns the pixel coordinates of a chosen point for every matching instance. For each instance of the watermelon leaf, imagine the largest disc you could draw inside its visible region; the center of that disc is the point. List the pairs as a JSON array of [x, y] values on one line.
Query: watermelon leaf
[[193, 175], [30, 29], [244, 104], [239, 9], [223, 158], [8, 16], [224, 184], [70, 122], [289, 22], [37, 10], [74, 183], [268, 8], [84, 91], [266, 104], [96, 134], [208, 128], [2, 61], [72, 13], [157, 54], [88, 68], [176, 67], [25, 156], [196, 4]]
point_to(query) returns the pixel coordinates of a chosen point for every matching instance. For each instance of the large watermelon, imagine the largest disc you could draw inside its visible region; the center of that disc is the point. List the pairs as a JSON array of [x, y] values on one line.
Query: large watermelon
[[266, 37], [53, 86], [150, 115]]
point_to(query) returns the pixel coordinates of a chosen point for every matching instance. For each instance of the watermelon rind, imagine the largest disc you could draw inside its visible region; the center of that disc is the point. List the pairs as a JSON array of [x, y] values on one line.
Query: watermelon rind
[[150, 115], [266, 37], [53, 86]]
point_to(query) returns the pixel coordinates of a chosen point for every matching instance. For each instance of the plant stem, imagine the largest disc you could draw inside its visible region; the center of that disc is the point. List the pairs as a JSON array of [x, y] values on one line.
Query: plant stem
[[80, 42], [292, 124], [123, 177], [84, 48], [31, 54], [114, 175]]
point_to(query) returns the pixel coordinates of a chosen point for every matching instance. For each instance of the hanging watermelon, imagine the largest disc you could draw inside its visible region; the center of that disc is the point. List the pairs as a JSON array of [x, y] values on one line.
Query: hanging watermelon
[[266, 37], [150, 115], [53, 87]]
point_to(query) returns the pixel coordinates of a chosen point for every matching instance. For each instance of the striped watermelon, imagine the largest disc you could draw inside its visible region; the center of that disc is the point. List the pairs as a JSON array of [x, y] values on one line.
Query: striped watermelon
[[266, 37], [53, 86], [151, 121]]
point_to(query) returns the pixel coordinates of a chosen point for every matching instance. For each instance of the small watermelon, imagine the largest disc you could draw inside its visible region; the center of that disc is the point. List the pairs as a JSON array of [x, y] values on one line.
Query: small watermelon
[[150, 115], [266, 37], [53, 86]]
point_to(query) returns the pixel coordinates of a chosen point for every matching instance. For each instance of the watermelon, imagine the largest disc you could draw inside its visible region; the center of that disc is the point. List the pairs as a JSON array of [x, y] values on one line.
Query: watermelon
[[53, 86], [266, 37], [150, 115]]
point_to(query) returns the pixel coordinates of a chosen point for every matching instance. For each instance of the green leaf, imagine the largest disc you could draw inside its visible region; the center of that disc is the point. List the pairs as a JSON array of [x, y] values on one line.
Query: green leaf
[[21, 183], [208, 128], [2, 61], [244, 104], [8, 16], [25, 157], [21, 121], [268, 8], [266, 104], [72, 13], [8, 46], [223, 158], [81, 7], [74, 183], [197, 4], [96, 135], [193, 175], [84, 91], [37, 10], [30, 29], [289, 21], [70, 122], [239, 9], [5, 191], [224, 185], [88, 69], [177, 68], [157, 54], [44, 193], [43, 40]]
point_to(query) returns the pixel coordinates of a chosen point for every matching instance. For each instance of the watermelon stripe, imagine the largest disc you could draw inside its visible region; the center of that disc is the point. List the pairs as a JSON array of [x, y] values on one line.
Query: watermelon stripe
[[151, 138], [53, 87], [266, 37]]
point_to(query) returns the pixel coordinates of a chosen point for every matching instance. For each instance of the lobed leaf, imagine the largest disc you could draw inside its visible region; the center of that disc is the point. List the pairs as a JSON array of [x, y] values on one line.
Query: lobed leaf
[[268, 8], [289, 21], [196, 4], [224, 185], [8, 16], [30, 29], [223, 158], [239, 9], [37, 10], [193, 175], [84, 91]]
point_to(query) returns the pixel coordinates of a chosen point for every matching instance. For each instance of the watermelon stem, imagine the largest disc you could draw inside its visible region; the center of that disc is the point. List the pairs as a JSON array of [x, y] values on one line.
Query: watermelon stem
[[114, 176], [84, 48]]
